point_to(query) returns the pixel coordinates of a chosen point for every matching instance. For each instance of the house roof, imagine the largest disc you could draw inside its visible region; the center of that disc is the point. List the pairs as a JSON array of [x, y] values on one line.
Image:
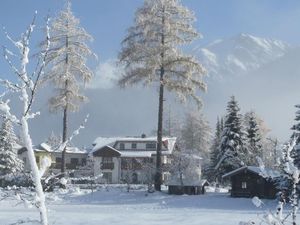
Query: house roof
[[137, 154], [44, 147], [75, 150], [186, 182], [263, 172], [107, 151], [100, 142]]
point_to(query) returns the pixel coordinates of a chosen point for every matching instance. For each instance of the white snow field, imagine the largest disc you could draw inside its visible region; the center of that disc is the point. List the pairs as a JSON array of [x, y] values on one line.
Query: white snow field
[[115, 206]]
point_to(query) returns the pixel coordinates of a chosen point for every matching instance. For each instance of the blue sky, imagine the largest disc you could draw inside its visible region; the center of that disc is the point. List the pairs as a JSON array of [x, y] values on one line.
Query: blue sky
[[107, 21]]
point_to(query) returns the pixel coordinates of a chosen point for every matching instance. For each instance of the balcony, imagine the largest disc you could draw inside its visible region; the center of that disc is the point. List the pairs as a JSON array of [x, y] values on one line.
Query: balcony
[[55, 166], [71, 166], [107, 166]]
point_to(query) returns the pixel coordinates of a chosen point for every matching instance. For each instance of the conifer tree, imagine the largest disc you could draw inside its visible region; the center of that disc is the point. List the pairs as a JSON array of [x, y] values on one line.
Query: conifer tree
[[10, 164], [66, 60], [232, 148], [254, 140], [296, 135], [215, 147], [152, 52]]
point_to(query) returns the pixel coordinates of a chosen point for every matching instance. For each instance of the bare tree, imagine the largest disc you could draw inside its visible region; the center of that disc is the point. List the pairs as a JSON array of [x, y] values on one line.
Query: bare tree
[[66, 61], [26, 87], [151, 52]]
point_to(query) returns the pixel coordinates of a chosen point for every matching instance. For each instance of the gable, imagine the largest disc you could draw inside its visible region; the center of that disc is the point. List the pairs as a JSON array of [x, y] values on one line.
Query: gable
[[106, 151]]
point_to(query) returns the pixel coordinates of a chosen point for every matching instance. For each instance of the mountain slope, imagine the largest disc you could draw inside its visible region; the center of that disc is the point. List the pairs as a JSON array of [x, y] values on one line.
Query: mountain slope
[[239, 55]]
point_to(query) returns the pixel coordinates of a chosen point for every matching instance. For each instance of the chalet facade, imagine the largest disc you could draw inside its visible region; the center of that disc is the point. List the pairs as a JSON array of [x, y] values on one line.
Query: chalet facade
[[75, 158], [129, 159], [41, 151], [248, 181]]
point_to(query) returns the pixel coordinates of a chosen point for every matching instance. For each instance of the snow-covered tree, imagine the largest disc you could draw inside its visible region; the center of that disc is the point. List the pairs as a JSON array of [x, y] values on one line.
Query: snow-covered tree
[[54, 141], [10, 164], [26, 87], [254, 139], [232, 148], [296, 135], [66, 63], [215, 150], [151, 52], [196, 134], [172, 125], [288, 185], [185, 168]]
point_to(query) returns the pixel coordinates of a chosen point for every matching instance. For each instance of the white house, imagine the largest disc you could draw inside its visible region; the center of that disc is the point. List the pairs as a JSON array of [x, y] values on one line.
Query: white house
[[41, 151], [75, 158], [120, 158]]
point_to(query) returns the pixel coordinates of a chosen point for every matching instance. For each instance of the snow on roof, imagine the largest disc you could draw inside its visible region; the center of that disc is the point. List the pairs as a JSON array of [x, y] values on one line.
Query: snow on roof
[[203, 182], [110, 141], [254, 169], [42, 147], [137, 154], [46, 147], [103, 141], [74, 150], [186, 182]]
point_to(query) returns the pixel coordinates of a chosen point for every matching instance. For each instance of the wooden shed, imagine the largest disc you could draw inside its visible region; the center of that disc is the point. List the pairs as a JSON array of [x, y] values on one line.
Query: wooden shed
[[248, 181], [189, 189]]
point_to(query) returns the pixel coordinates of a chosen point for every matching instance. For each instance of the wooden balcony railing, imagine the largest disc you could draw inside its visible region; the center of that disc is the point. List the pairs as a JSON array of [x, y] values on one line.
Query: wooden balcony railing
[[107, 166]]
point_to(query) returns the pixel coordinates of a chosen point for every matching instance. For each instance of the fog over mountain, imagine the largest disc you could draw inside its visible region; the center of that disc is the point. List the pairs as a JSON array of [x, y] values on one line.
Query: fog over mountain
[[263, 74]]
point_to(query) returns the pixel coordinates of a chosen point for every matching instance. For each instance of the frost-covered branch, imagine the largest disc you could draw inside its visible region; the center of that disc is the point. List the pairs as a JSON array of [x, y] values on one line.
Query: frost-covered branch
[[74, 134], [291, 172], [26, 87]]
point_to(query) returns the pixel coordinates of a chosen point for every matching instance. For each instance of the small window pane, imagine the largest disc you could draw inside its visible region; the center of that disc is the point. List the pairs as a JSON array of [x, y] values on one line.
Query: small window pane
[[244, 185]]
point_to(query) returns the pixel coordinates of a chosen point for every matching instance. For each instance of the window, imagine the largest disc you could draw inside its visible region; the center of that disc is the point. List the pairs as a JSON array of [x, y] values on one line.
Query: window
[[107, 176], [74, 161], [122, 146], [37, 159], [133, 145], [107, 159], [83, 162], [244, 185], [58, 160], [151, 145], [107, 163]]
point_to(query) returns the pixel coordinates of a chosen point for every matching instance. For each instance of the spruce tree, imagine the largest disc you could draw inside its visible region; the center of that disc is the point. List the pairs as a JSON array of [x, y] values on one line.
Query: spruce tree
[[215, 147], [296, 135], [232, 149], [254, 145], [10, 164]]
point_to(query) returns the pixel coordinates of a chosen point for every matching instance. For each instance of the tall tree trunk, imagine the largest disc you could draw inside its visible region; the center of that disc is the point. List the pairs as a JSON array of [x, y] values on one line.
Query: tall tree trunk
[[158, 174], [64, 139], [65, 116]]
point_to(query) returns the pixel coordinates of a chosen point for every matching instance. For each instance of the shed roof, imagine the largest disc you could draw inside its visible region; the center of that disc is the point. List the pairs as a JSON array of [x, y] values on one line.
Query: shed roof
[[263, 172]]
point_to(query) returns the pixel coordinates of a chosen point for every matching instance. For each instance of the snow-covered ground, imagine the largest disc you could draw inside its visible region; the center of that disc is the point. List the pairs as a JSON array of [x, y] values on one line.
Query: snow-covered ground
[[114, 205]]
